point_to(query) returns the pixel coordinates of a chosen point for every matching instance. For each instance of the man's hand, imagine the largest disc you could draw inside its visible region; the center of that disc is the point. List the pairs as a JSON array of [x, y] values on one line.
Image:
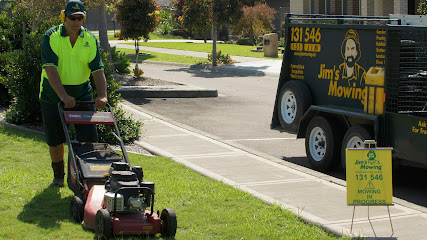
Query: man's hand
[[69, 102], [101, 88], [101, 102], [56, 84]]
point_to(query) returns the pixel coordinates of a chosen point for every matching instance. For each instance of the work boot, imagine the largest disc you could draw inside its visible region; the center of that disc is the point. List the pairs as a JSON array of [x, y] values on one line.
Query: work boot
[[58, 174]]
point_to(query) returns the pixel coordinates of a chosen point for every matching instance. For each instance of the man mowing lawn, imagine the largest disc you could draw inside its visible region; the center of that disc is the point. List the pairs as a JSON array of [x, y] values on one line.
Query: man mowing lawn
[[70, 53]]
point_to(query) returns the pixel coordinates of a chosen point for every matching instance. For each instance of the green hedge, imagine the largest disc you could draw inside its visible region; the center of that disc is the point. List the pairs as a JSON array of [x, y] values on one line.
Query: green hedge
[[245, 41]]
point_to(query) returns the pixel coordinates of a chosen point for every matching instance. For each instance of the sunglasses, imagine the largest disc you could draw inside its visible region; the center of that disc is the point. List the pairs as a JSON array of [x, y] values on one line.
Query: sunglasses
[[73, 18]]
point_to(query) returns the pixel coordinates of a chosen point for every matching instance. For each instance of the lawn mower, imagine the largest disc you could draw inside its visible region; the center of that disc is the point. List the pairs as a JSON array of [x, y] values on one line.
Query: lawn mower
[[110, 196]]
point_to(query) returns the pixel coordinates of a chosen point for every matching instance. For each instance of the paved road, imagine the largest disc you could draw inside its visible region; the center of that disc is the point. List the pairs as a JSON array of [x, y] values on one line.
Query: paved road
[[241, 115]]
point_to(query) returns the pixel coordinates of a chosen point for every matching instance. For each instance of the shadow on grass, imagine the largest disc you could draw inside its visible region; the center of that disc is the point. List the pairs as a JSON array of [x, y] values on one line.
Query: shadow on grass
[[31, 132], [142, 56], [46, 209]]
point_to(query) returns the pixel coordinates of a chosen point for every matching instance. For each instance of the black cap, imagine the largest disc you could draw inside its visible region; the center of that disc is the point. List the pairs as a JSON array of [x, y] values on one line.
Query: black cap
[[74, 7]]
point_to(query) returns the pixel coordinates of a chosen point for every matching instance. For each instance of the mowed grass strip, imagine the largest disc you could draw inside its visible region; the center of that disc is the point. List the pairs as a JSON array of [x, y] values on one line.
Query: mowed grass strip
[[205, 208]]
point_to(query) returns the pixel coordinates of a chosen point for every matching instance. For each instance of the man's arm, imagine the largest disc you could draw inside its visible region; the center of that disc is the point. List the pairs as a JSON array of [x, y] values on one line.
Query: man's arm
[[101, 88], [55, 82]]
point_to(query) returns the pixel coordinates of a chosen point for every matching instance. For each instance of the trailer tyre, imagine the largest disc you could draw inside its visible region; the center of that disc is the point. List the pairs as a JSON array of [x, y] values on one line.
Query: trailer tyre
[[169, 223], [76, 209], [103, 224], [354, 138], [294, 100], [321, 144]]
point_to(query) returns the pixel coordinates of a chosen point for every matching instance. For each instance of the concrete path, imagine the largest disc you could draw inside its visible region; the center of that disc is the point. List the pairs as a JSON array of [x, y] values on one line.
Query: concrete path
[[310, 196]]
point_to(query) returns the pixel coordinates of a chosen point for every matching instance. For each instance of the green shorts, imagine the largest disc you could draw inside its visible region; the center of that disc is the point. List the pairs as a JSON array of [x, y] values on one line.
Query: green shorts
[[54, 132]]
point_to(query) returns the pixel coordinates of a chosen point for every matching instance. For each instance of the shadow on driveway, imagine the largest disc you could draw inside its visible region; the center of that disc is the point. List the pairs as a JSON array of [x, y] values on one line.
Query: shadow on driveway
[[204, 71]]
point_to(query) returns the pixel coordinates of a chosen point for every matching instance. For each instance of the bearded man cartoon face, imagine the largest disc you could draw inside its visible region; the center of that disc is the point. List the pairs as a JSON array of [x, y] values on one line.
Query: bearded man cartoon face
[[350, 52]]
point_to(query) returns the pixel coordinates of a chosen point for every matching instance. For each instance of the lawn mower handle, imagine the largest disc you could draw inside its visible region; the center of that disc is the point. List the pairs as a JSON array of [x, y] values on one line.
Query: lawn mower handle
[[67, 135], [61, 104]]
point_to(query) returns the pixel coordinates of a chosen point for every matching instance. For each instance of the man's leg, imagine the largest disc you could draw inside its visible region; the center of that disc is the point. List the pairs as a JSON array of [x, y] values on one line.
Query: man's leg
[[57, 156], [55, 138]]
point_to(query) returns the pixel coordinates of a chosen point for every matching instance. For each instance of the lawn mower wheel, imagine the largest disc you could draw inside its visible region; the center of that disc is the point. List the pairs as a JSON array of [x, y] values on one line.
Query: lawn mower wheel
[[103, 224], [169, 223], [76, 209]]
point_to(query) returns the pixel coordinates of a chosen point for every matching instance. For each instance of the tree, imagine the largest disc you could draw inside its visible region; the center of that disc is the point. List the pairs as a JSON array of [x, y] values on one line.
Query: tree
[[137, 19], [207, 15], [224, 12], [41, 10], [255, 21], [196, 16]]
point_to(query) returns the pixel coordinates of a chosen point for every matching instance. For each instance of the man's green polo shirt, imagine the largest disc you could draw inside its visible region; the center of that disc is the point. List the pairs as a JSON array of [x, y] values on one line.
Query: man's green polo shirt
[[74, 64]]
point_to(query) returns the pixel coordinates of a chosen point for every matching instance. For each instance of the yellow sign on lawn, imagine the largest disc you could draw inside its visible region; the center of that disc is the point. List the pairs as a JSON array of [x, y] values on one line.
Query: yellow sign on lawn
[[369, 177]]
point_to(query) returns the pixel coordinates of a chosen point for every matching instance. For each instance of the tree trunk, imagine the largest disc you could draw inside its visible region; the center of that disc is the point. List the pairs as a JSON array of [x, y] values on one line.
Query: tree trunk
[[214, 63], [103, 35], [213, 34], [136, 50]]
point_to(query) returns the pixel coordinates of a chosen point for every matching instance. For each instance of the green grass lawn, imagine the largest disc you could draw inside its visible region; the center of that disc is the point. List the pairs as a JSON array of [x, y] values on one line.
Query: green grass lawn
[[205, 208], [164, 57], [230, 49]]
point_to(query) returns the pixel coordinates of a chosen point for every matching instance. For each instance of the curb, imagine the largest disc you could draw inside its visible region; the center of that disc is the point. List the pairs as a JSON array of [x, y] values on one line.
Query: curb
[[229, 68], [2, 122], [167, 91]]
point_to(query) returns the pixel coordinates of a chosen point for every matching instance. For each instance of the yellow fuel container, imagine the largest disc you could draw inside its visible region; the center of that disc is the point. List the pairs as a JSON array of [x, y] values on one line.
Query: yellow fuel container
[[374, 102]]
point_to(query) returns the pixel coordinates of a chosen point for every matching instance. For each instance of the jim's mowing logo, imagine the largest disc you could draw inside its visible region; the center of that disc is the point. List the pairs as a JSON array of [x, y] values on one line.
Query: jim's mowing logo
[[348, 79], [371, 162]]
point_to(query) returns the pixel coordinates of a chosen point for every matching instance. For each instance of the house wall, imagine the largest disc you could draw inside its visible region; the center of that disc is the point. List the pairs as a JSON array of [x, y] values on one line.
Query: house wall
[[354, 7]]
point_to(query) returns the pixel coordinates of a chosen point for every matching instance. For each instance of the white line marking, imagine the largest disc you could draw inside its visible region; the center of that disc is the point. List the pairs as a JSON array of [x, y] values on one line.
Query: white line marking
[[249, 184], [260, 139]]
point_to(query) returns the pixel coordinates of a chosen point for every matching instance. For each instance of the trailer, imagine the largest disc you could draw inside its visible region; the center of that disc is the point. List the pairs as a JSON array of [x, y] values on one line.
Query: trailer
[[346, 79]]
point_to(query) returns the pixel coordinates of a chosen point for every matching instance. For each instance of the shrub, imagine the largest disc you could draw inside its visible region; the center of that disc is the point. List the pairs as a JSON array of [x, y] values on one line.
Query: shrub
[[221, 58], [166, 22], [137, 72], [120, 61], [245, 41], [23, 81], [281, 43], [4, 96], [256, 21], [129, 129]]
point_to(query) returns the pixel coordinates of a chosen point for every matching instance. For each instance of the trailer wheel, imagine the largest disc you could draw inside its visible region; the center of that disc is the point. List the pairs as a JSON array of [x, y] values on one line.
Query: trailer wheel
[[76, 209], [294, 100], [169, 223], [103, 224], [321, 144], [354, 138]]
